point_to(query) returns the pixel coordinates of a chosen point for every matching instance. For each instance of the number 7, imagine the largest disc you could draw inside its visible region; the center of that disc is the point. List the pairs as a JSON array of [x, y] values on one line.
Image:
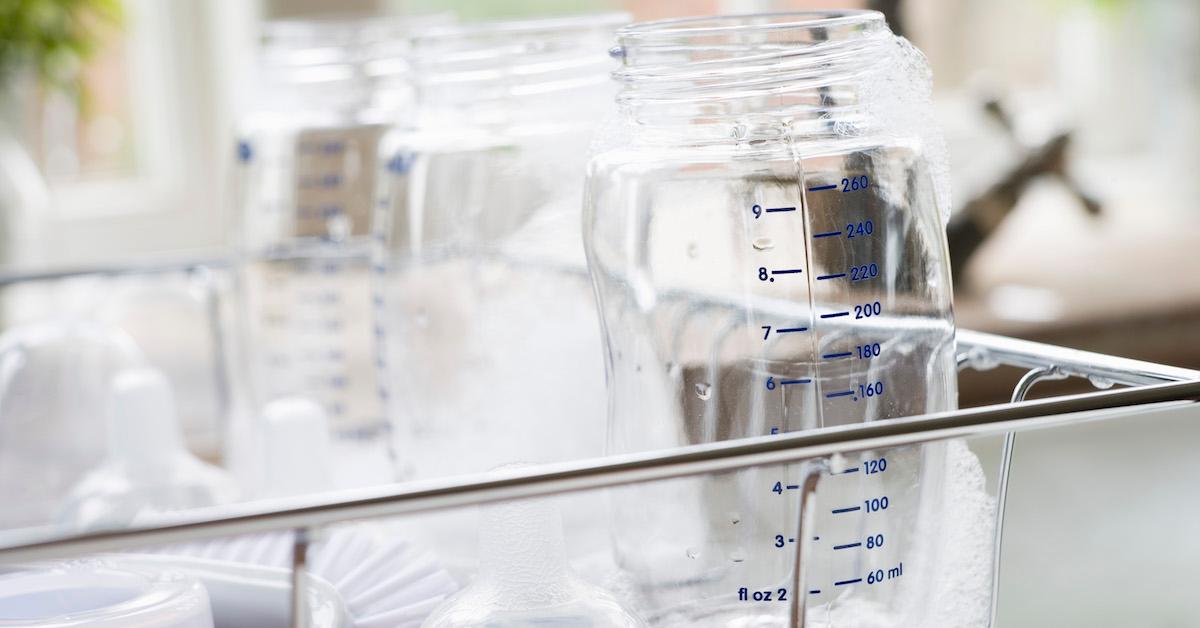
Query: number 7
[[766, 333]]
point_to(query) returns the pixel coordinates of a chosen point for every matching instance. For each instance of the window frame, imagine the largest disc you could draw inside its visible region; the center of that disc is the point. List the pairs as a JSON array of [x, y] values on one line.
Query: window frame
[[187, 57]]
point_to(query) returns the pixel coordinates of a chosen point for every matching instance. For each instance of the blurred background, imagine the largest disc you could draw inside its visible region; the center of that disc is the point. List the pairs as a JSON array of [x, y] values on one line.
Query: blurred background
[[1072, 125]]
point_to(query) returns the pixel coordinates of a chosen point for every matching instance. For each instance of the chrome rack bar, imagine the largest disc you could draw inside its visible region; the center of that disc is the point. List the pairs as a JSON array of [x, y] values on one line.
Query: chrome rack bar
[[217, 260], [143, 267], [391, 501], [980, 349]]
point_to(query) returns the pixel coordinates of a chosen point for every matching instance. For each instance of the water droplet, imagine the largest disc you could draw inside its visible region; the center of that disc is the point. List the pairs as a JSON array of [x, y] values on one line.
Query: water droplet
[[762, 244], [693, 553], [737, 556], [704, 390], [692, 250], [1103, 383], [838, 463], [338, 227]]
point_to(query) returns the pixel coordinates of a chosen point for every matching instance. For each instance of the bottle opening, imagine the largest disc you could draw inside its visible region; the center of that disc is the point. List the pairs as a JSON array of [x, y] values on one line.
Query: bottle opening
[[758, 22], [800, 65], [498, 70]]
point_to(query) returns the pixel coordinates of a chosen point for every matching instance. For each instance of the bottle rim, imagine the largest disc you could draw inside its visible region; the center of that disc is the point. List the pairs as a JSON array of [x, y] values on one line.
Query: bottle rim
[[346, 30], [554, 25], [725, 24], [735, 57], [486, 64]]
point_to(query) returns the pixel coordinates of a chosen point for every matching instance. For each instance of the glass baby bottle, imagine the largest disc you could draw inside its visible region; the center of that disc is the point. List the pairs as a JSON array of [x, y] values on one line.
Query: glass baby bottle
[[764, 227], [486, 316], [328, 90]]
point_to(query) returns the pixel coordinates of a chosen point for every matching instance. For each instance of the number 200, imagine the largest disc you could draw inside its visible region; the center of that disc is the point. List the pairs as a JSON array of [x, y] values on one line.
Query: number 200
[[867, 310]]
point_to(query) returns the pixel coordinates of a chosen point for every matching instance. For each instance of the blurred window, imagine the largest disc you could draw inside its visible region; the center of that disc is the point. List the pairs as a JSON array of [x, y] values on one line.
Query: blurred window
[[136, 164], [92, 136]]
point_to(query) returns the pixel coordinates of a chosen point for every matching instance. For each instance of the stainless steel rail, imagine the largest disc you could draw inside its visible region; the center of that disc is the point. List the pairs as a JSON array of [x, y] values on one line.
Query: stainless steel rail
[[148, 266], [982, 350]]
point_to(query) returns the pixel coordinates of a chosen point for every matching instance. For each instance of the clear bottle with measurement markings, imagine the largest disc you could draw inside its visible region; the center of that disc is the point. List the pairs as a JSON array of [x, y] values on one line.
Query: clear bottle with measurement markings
[[327, 91], [764, 226]]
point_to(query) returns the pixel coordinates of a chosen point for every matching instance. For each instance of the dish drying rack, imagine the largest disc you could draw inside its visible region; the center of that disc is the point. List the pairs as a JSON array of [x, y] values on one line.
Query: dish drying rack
[[1145, 383]]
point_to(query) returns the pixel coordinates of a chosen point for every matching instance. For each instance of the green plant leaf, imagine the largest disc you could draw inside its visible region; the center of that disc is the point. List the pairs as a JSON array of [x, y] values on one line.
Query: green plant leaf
[[52, 37]]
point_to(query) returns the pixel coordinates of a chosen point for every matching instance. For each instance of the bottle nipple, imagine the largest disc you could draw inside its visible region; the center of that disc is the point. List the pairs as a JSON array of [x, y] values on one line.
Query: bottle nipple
[[524, 577], [295, 447], [148, 470], [143, 427]]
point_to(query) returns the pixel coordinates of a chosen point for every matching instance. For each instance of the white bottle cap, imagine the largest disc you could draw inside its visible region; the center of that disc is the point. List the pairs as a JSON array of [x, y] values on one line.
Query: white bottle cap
[[296, 447]]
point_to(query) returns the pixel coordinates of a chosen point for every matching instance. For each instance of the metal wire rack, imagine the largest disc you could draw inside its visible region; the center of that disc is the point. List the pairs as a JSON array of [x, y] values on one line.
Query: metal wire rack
[[1142, 383]]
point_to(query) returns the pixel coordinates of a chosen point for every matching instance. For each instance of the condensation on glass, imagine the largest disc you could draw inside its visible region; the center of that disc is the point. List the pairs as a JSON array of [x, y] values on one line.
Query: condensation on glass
[[328, 91], [764, 225]]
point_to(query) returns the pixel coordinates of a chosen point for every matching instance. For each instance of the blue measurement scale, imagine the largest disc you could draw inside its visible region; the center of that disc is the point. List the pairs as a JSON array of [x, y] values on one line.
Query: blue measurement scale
[[829, 251], [307, 284], [842, 267]]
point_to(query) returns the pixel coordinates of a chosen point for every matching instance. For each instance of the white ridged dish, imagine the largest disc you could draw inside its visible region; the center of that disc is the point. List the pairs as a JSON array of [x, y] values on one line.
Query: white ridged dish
[[102, 594], [389, 583]]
